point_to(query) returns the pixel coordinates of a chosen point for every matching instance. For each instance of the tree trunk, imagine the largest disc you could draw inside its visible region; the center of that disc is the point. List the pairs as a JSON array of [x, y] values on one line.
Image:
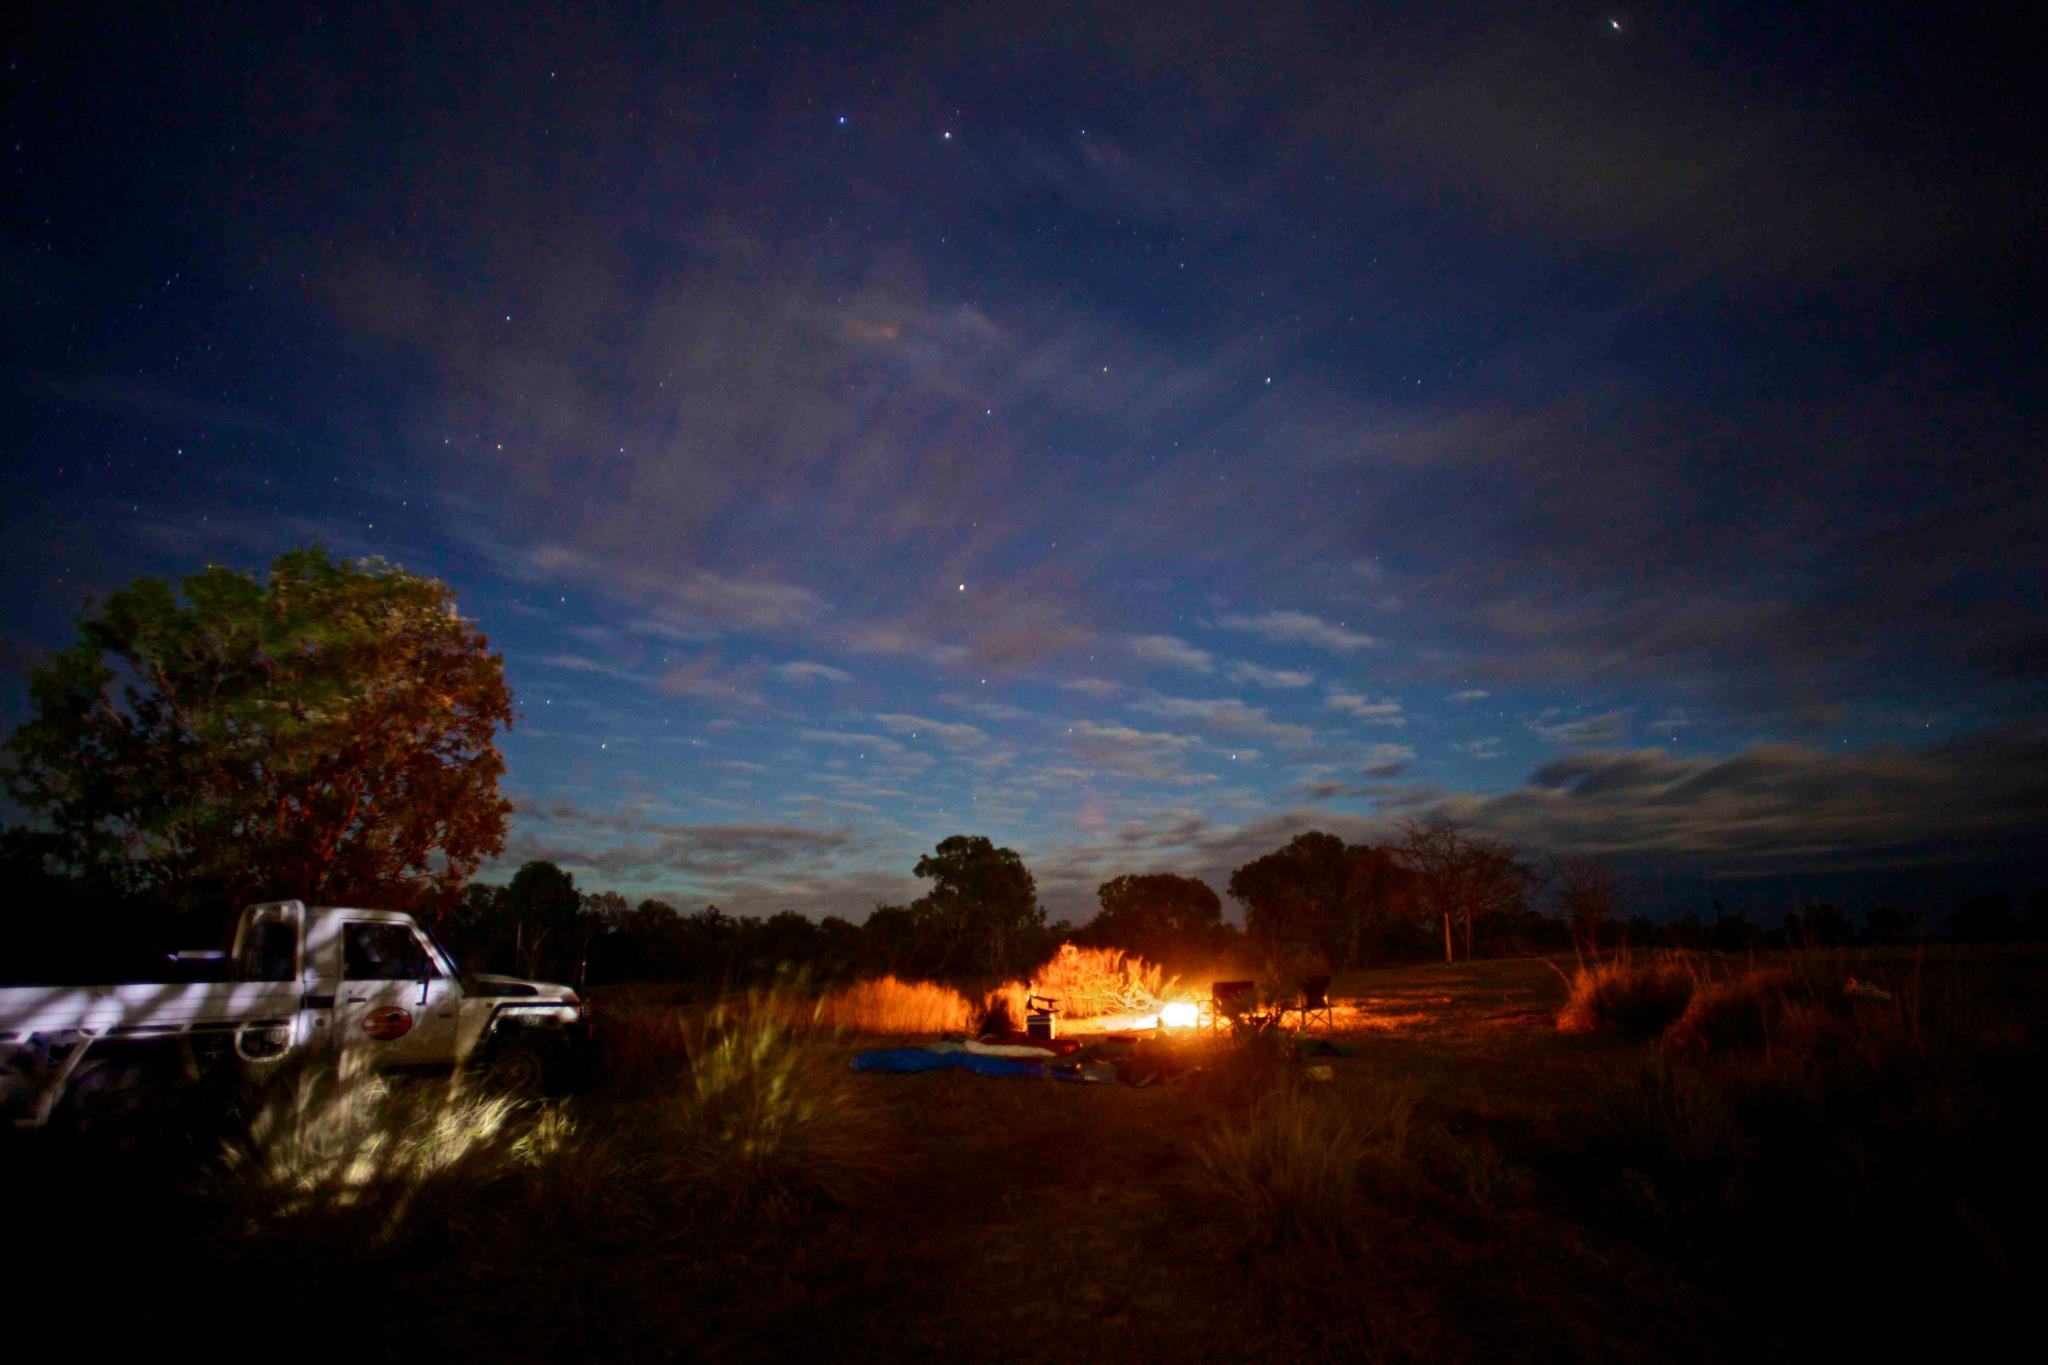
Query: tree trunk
[[1447, 936]]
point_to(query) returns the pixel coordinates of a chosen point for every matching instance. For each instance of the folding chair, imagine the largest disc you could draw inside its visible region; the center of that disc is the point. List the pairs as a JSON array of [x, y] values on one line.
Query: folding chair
[[1315, 1003], [1230, 1000]]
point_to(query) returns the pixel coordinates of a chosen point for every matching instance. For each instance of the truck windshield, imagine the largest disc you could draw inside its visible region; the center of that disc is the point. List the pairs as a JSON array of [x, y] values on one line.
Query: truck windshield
[[454, 963]]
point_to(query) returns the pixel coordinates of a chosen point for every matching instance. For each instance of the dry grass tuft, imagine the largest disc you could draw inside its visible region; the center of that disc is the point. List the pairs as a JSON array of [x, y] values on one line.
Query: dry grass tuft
[[768, 1120], [1628, 996], [1297, 1168], [1738, 1014]]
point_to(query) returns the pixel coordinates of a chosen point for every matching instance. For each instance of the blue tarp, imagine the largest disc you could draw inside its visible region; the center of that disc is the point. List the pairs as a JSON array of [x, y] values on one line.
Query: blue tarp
[[917, 1059]]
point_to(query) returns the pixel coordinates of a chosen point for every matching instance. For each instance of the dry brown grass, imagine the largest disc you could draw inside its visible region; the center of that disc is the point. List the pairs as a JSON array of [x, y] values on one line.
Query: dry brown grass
[[1736, 1014], [891, 1007], [1629, 996]]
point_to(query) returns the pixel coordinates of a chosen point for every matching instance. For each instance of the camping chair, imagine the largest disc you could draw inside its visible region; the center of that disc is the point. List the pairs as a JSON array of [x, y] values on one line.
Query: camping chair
[[1315, 1003], [1231, 1000]]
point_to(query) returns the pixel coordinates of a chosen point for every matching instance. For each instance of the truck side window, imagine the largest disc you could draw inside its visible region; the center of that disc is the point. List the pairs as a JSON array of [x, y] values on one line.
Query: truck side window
[[383, 952], [268, 950]]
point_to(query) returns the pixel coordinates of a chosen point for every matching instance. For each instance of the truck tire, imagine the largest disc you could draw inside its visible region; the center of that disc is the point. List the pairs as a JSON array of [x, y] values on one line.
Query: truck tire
[[519, 1068], [111, 1101]]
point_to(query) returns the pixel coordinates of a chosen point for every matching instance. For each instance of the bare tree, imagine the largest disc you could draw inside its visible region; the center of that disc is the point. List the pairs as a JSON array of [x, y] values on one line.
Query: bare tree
[[1588, 897], [1461, 879]]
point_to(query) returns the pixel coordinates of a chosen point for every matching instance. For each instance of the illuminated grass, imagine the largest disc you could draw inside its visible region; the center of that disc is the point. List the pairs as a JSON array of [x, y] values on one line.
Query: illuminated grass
[[1628, 996], [329, 1143], [767, 1118]]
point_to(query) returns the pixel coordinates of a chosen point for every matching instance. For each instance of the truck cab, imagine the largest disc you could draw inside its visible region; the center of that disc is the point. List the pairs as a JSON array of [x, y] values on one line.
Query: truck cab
[[298, 976]]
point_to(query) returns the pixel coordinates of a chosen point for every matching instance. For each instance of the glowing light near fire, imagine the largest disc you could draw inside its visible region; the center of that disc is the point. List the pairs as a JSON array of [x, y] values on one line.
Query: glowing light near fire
[[1180, 1014]]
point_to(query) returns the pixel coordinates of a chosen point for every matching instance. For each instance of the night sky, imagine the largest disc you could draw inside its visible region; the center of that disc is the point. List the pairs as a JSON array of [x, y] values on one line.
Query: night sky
[[1135, 433]]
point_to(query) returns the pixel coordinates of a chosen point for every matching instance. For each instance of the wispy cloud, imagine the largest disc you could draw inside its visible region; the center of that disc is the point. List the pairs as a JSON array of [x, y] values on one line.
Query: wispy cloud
[[1600, 729], [1280, 679], [1172, 652], [804, 671], [1298, 628], [1227, 716], [1374, 711]]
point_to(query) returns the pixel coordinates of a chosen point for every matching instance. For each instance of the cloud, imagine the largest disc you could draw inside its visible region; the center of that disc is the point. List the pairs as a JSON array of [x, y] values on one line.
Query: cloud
[[1147, 755], [1600, 729], [707, 679], [903, 642], [1388, 760], [1225, 715], [956, 736], [1172, 652], [804, 671], [1483, 748], [579, 663], [1778, 806], [880, 744], [1470, 694], [1298, 628], [1277, 678], [1384, 711]]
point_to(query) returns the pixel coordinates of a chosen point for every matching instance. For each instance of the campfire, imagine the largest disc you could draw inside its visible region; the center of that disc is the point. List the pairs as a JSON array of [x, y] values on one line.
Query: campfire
[[1104, 990]]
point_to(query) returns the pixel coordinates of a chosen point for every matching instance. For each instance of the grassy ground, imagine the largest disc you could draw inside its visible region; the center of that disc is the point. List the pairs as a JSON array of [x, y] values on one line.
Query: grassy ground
[[1021, 1220]]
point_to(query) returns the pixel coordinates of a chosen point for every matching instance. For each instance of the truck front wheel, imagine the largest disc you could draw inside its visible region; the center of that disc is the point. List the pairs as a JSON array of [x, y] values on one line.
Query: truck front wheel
[[518, 1068]]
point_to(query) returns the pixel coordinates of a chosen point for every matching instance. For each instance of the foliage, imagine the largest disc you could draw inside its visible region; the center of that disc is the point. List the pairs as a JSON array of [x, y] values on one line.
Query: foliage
[[768, 1120], [326, 732], [1588, 898]]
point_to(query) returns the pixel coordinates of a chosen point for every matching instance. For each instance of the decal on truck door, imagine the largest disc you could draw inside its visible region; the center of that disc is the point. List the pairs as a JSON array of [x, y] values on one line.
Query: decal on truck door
[[387, 1022]]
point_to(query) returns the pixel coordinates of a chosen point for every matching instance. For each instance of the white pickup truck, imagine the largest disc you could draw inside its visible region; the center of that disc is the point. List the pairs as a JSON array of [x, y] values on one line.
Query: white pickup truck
[[298, 976]]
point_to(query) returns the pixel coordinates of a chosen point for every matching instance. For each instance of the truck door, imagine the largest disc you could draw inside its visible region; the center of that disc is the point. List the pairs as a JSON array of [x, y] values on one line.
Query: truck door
[[395, 1001]]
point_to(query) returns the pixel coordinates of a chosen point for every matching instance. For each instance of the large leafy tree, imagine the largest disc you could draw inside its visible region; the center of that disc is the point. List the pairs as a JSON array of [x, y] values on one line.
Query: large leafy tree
[[326, 731], [1158, 915], [983, 907], [1320, 895]]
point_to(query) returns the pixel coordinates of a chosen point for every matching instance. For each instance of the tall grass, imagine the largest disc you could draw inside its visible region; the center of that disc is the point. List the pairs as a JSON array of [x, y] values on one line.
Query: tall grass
[[890, 1006], [328, 1144], [767, 1119], [1300, 1166]]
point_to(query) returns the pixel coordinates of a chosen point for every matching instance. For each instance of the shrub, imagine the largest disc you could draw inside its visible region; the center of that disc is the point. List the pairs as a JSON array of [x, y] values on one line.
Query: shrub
[[768, 1119], [1628, 997]]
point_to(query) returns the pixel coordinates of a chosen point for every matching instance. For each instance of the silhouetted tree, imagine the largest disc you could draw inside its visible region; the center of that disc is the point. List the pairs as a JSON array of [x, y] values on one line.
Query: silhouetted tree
[[983, 905], [1588, 897], [1462, 879], [1158, 915], [1320, 895]]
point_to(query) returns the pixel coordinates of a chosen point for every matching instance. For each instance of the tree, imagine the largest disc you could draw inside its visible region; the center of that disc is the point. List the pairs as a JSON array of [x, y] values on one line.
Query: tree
[[327, 732], [983, 905], [1159, 915], [1461, 879], [1588, 897], [1321, 895]]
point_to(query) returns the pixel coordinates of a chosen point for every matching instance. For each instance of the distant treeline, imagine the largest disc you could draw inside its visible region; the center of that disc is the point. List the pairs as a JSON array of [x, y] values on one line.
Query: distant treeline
[[1316, 902]]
